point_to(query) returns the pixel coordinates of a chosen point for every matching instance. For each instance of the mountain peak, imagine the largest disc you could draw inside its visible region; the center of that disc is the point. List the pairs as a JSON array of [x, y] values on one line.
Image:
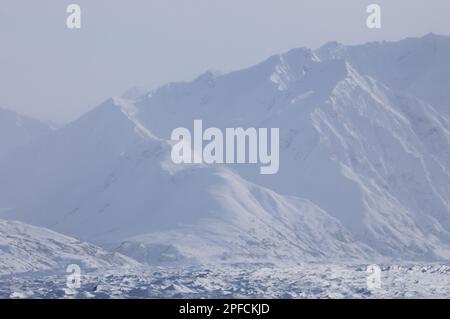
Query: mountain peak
[[134, 92], [18, 130], [363, 161]]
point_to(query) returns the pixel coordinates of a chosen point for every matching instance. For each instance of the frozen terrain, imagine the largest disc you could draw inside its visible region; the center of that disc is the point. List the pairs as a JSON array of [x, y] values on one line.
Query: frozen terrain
[[239, 281]]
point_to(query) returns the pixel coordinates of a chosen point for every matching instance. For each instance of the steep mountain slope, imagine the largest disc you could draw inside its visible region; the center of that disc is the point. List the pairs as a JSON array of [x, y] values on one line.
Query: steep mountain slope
[[25, 248], [17, 130], [117, 181], [375, 159], [364, 168], [415, 66], [242, 222]]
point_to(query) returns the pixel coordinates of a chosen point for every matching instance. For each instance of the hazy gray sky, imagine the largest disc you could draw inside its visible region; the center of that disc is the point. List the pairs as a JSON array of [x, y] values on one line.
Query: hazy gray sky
[[54, 73]]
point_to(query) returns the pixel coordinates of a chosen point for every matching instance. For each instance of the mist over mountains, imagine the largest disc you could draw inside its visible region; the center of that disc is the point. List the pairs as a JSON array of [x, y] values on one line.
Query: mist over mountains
[[364, 163], [18, 130]]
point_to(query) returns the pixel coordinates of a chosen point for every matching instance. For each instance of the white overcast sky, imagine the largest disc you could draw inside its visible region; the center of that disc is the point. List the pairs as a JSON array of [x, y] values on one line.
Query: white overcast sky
[[54, 73]]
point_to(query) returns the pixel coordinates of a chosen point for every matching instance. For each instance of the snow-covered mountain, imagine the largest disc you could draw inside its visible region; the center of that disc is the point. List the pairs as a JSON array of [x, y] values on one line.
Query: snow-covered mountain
[[364, 163], [116, 181], [17, 130], [25, 248], [418, 67]]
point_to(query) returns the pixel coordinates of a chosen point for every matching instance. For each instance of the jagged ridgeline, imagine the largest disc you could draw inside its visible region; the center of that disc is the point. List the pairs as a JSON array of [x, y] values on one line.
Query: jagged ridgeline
[[363, 173]]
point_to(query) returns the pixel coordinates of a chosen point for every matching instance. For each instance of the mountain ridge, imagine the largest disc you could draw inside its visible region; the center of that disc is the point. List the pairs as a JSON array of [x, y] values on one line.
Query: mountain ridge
[[365, 156], [26, 248], [18, 130]]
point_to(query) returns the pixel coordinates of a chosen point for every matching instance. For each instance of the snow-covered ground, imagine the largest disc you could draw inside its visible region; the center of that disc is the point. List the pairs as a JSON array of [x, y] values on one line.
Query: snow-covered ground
[[239, 281], [25, 248]]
